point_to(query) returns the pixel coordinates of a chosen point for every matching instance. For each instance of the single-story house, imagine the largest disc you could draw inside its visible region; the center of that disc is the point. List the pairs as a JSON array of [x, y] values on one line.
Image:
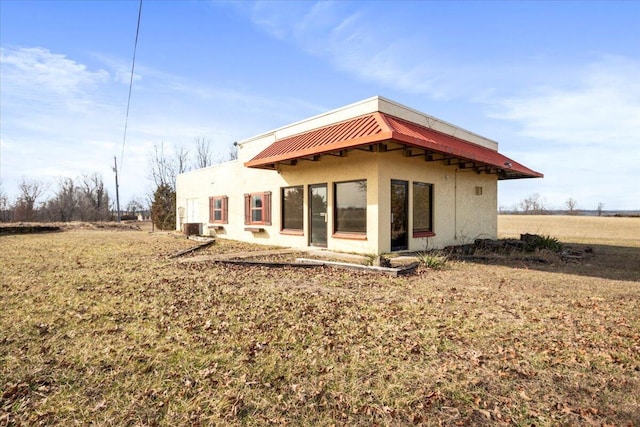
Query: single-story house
[[371, 177]]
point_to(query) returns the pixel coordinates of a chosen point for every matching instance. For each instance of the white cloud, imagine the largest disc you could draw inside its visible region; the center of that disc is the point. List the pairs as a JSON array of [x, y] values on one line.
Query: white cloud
[[600, 105], [30, 71], [121, 70], [61, 118], [352, 41]]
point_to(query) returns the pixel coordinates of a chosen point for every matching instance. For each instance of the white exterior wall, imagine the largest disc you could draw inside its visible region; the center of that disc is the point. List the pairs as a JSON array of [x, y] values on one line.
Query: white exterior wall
[[459, 215], [233, 180]]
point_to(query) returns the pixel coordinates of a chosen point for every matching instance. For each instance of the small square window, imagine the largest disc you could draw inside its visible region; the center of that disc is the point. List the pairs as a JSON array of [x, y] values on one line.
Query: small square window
[[478, 191], [257, 208], [218, 209]]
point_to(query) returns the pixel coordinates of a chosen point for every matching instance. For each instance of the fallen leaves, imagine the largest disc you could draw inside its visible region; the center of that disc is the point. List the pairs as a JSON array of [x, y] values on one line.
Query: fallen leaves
[[125, 337]]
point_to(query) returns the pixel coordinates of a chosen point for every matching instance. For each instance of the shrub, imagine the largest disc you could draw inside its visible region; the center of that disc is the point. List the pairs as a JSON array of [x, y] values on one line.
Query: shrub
[[433, 261], [536, 242]]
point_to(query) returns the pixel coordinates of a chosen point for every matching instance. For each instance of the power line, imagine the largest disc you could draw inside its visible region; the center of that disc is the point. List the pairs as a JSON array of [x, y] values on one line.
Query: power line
[[133, 66]]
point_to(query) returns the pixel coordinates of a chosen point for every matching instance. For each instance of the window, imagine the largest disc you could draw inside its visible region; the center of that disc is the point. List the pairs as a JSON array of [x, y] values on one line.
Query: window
[[478, 191], [257, 208], [292, 208], [218, 209], [422, 209], [350, 207]]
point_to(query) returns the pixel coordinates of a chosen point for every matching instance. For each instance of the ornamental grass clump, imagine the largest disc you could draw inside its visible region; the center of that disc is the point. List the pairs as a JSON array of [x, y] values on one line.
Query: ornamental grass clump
[[535, 242], [433, 261]]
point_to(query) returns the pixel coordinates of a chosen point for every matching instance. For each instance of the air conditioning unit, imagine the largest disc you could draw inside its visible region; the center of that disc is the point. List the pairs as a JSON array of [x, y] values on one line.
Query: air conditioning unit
[[193, 229]]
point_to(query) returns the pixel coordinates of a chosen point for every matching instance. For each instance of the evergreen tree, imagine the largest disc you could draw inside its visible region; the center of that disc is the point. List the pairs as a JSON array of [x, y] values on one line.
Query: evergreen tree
[[163, 208]]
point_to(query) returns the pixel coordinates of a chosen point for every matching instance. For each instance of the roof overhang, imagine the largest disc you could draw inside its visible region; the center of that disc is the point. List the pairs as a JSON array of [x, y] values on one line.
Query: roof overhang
[[383, 132]]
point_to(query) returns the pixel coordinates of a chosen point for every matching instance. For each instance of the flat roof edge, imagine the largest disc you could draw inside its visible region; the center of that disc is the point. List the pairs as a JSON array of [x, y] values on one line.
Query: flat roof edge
[[370, 105], [430, 120]]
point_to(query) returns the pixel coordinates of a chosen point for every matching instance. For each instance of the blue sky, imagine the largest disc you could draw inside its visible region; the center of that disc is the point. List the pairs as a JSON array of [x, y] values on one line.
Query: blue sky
[[557, 84]]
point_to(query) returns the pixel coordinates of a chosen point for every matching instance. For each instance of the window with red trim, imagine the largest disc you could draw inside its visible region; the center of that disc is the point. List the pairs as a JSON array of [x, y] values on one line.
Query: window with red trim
[[422, 209], [292, 208], [257, 208], [350, 212], [218, 209]]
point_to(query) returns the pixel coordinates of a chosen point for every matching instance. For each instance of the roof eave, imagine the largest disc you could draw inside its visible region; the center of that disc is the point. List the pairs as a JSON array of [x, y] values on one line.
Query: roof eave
[[468, 151], [300, 154], [505, 173]]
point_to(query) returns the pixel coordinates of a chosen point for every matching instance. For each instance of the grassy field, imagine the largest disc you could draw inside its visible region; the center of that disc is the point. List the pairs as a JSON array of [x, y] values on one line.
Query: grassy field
[[99, 327], [580, 229]]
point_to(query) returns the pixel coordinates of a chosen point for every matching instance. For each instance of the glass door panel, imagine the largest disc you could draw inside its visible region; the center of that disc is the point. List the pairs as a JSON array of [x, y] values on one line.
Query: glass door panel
[[318, 215], [399, 215]]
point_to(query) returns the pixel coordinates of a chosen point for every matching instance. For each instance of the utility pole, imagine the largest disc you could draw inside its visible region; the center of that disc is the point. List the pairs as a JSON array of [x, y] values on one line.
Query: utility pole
[[115, 169]]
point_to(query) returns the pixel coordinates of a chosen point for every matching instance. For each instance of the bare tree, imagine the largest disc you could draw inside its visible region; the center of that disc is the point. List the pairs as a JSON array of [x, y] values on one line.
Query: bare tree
[[64, 205], [203, 153], [181, 161], [25, 206], [600, 208], [231, 155], [4, 206], [160, 167], [164, 169], [571, 205], [94, 204], [533, 204], [164, 166], [134, 206]]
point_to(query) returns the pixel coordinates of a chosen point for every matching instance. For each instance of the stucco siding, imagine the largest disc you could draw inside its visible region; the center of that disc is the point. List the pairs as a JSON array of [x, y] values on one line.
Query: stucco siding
[[476, 213], [233, 180], [463, 199], [459, 214]]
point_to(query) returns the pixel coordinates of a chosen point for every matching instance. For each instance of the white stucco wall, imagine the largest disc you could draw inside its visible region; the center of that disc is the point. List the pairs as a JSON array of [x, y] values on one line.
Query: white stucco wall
[[233, 180], [459, 214]]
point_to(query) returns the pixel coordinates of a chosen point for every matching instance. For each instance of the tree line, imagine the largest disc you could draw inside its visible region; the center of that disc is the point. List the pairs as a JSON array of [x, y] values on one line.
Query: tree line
[[82, 199], [536, 205], [85, 198]]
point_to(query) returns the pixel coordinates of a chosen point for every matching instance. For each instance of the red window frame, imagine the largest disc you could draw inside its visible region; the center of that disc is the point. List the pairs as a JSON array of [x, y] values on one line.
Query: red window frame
[[224, 208], [264, 208], [283, 210], [428, 230]]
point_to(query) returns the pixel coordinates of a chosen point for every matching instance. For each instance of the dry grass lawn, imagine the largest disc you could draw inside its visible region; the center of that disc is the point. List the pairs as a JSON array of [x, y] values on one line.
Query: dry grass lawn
[[579, 229], [99, 327]]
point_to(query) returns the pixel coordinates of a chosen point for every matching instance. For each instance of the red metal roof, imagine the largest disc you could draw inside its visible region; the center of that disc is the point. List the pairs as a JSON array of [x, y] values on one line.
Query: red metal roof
[[376, 128]]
